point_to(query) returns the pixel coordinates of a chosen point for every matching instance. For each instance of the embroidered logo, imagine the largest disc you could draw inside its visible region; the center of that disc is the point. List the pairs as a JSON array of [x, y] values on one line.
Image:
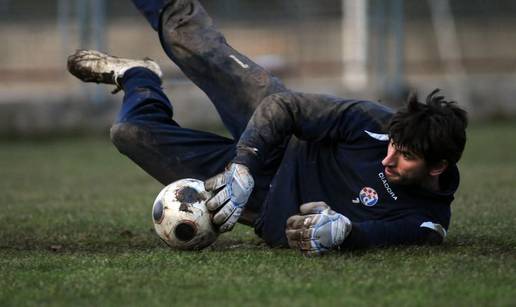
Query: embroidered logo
[[378, 136], [368, 196], [238, 61]]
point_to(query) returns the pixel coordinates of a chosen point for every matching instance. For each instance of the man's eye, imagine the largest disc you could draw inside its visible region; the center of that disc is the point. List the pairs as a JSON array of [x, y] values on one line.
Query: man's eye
[[408, 156]]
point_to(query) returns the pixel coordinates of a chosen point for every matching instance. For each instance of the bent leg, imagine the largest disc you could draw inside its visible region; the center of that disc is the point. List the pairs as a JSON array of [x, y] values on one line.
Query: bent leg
[[147, 134], [234, 83]]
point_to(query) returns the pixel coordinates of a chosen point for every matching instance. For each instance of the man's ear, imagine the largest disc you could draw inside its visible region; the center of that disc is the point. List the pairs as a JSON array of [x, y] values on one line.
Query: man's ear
[[438, 168]]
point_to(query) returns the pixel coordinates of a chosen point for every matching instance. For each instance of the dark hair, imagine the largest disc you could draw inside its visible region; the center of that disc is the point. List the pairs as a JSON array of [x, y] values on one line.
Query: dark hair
[[435, 130]]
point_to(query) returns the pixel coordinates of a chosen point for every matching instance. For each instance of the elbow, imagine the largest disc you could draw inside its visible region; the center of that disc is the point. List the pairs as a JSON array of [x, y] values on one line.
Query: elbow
[[282, 109], [281, 100]]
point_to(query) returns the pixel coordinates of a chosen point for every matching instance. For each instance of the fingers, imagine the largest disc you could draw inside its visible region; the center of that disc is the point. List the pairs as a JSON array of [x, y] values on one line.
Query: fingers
[[314, 207], [233, 189], [316, 230], [218, 200], [295, 221], [224, 213], [232, 220], [212, 184], [299, 234], [302, 221], [302, 241], [227, 217], [215, 182]]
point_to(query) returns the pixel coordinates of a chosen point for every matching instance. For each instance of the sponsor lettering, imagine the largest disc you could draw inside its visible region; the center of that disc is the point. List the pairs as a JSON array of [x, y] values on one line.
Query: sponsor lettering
[[386, 185]]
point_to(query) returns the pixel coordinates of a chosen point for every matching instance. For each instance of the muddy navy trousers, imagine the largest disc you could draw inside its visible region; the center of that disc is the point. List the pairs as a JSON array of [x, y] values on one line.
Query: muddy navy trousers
[[145, 130]]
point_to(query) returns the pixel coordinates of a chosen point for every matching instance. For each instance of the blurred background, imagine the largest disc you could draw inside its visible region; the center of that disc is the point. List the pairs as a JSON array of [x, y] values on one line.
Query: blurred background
[[372, 49]]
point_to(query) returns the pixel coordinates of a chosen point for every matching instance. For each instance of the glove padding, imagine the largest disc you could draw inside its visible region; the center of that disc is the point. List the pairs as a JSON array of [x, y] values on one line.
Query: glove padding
[[317, 230], [236, 185]]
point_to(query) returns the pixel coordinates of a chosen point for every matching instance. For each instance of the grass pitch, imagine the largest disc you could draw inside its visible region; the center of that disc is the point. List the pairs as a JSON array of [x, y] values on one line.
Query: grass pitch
[[76, 229]]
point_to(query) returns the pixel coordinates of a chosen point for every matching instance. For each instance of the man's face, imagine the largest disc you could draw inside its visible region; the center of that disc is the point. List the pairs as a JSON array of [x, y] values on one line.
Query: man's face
[[403, 167]]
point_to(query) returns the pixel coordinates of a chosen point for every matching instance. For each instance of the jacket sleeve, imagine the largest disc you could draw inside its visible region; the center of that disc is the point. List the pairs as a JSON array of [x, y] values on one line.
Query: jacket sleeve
[[405, 231], [151, 9], [309, 117]]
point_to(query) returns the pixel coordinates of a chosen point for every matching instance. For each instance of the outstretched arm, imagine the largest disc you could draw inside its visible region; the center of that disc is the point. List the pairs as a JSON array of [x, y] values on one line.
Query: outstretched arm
[[404, 231], [279, 116], [318, 230]]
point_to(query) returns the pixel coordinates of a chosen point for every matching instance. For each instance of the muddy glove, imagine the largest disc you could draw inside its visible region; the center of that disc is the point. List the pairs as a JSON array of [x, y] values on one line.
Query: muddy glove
[[317, 230], [232, 189]]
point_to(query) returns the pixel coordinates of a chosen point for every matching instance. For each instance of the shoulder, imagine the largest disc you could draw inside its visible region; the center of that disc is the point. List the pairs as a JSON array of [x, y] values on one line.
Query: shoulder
[[369, 115], [367, 122]]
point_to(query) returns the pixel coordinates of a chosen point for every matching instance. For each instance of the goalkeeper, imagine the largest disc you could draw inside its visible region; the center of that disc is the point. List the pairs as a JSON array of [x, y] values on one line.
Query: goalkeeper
[[313, 172]]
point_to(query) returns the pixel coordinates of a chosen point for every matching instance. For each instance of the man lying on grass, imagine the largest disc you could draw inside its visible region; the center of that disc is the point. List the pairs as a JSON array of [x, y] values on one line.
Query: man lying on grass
[[313, 172]]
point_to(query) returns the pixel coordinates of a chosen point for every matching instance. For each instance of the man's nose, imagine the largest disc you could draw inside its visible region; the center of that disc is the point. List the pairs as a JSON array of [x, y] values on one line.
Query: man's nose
[[389, 160]]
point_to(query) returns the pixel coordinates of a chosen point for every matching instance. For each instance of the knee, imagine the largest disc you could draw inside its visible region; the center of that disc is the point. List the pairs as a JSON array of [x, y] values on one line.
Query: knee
[[128, 137], [181, 17], [136, 142], [183, 13]]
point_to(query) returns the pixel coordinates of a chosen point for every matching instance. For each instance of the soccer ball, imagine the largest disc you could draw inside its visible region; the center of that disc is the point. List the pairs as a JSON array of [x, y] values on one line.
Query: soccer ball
[[180, 216]]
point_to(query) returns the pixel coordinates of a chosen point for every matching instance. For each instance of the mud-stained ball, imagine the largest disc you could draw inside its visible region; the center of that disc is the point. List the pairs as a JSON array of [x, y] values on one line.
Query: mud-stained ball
[[180, 216]]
